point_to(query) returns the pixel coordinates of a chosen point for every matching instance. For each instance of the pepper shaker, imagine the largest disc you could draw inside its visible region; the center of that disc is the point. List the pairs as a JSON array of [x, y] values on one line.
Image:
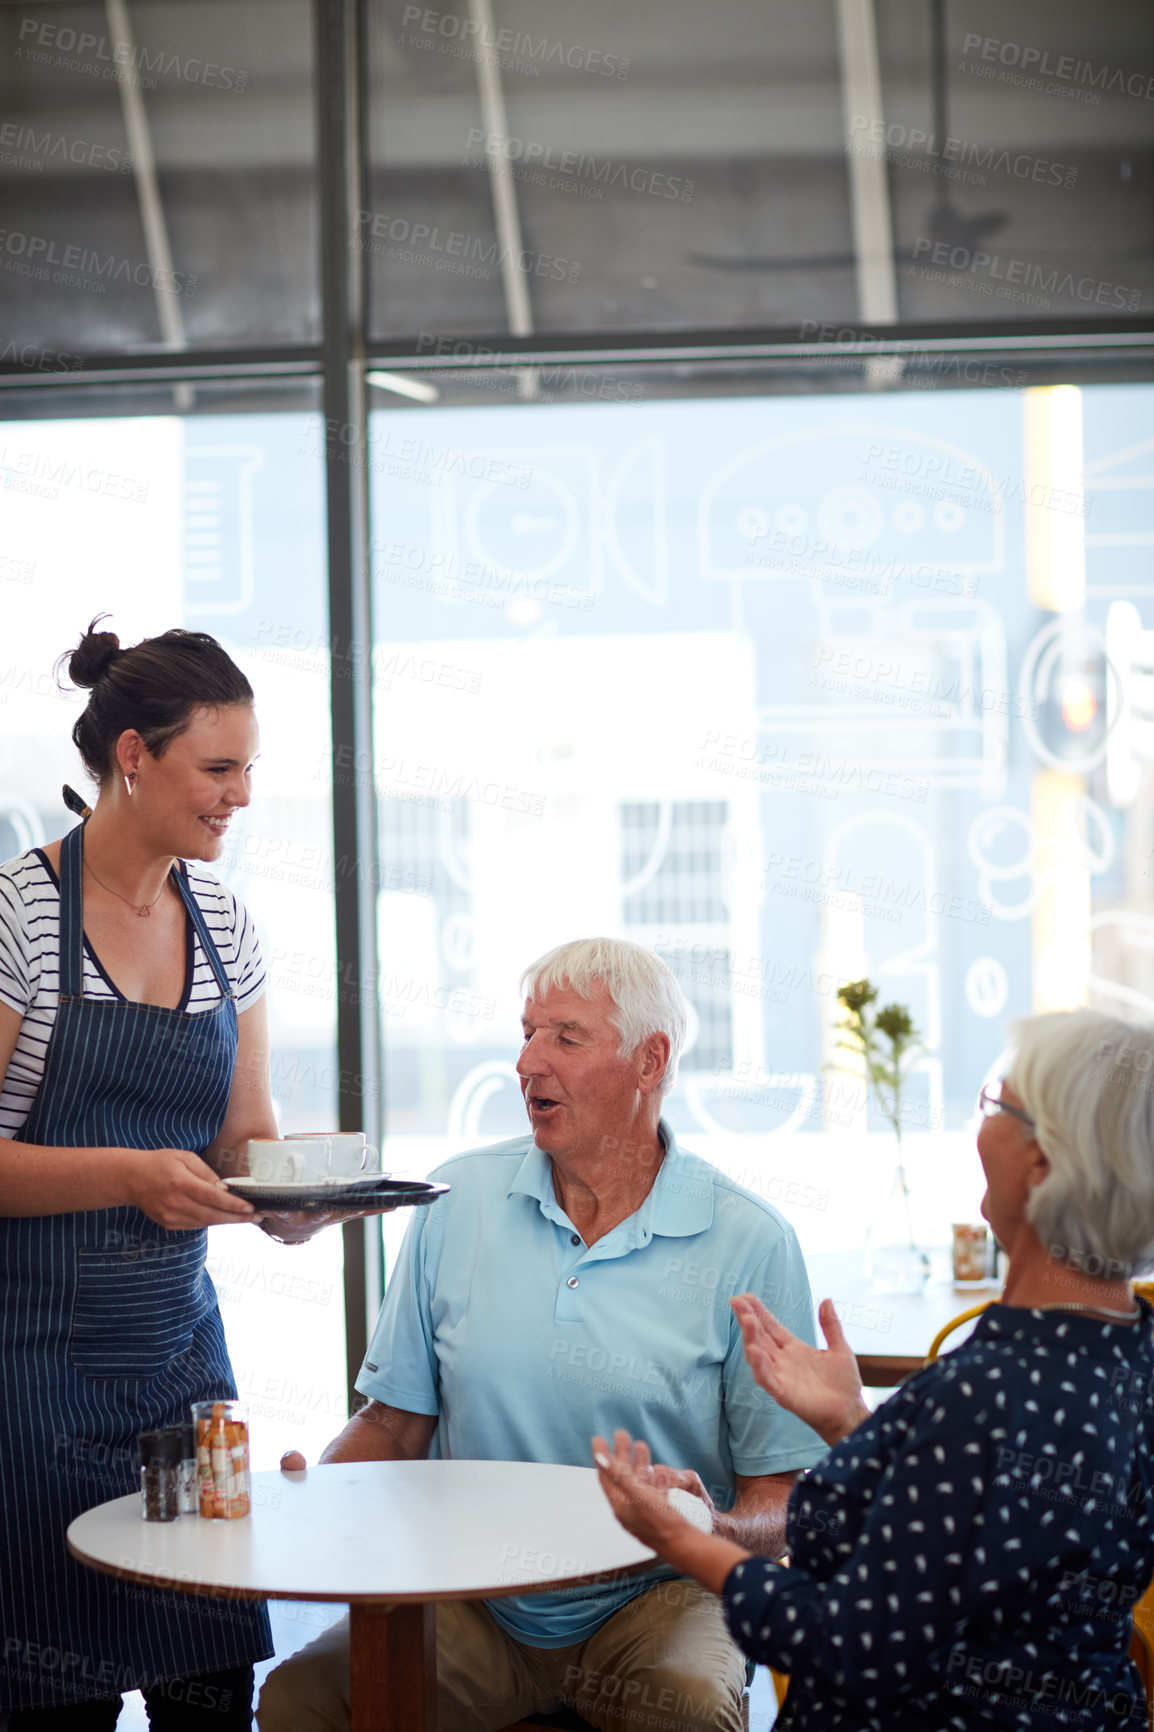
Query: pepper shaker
[[160, 1456]]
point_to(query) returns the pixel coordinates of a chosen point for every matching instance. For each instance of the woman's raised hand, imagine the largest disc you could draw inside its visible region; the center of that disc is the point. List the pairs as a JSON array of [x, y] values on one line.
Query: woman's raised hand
[[823, 1389], [176, 1189]]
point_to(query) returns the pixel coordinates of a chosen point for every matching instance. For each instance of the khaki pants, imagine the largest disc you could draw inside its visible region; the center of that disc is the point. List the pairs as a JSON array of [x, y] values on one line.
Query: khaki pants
[[664, 1663]]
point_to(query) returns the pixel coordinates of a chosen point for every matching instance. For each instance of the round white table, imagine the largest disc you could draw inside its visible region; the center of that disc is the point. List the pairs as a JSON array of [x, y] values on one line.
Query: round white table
[[390, 1538]]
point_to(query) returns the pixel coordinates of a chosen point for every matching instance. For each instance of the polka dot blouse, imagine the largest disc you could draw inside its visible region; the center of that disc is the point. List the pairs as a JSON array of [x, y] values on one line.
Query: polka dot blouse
[[969, 1556]]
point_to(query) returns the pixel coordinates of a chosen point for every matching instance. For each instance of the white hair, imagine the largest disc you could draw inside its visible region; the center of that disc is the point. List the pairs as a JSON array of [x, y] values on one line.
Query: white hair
[[1087, 1081], [646, 996]]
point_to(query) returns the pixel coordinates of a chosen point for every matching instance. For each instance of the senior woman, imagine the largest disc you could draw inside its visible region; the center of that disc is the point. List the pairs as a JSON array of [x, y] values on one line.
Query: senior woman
[[967, 1556], [133, 1060]]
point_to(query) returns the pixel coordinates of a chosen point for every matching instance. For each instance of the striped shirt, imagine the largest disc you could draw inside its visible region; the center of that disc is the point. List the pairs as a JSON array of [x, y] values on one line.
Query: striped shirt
[[29, 966]]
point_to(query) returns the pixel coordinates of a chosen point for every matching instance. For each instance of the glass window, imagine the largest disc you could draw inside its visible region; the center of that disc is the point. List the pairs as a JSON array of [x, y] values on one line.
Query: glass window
[[1016, 151], [657, 168], [614, 167], [793, 691], [158, 173], [213, 521]]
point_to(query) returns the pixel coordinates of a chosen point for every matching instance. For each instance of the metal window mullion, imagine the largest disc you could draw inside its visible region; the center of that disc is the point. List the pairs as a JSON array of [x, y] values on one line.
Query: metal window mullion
[[340, 140]]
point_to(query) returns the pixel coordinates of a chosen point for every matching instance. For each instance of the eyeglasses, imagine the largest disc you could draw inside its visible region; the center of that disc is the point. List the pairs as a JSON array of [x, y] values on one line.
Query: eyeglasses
[[990, 1102]]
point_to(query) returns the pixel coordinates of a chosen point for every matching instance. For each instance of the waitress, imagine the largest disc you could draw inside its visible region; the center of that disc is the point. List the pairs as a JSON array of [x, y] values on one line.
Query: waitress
[[134, 1058]]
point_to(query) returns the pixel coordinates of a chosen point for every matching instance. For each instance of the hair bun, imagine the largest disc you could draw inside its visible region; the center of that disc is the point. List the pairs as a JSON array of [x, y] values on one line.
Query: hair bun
[[93, 655]]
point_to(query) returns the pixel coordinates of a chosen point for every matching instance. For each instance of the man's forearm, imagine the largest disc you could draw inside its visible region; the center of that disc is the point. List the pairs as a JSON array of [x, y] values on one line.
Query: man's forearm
[[757, 1520], [760, 1529], [381, 1433]]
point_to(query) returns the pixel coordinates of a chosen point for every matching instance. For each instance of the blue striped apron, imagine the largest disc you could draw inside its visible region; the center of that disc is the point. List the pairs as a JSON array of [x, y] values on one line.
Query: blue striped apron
[[108, 1327]]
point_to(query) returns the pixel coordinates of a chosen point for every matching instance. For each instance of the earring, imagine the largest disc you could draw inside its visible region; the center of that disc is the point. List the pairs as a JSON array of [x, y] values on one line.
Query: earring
[[128, 781]]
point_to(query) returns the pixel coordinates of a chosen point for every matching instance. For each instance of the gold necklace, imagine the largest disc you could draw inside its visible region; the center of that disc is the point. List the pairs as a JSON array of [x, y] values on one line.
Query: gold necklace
[[143, 910], [1098, 1310]]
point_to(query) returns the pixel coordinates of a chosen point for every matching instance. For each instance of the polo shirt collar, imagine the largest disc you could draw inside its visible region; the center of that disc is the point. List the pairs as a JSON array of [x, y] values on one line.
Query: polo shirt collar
[[679, 1204]]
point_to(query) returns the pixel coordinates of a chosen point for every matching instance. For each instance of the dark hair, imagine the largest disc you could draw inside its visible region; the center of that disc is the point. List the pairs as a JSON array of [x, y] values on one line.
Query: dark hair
[[153, 687]]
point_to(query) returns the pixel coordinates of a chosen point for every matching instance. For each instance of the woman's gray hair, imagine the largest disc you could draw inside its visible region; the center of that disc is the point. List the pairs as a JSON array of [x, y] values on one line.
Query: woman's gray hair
[[646, 996], [1087, 1081]]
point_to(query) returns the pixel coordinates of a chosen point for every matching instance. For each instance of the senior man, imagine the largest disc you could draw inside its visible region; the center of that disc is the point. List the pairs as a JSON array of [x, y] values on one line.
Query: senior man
[[572, 1282]]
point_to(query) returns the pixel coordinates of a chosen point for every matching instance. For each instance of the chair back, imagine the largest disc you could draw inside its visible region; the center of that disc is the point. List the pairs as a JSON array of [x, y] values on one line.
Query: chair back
[[1143, 1658], [955, 1323]]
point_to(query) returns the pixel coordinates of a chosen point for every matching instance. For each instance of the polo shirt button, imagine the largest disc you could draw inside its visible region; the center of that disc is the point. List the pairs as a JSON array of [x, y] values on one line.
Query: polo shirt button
[[574, 1238], [572, 1281]]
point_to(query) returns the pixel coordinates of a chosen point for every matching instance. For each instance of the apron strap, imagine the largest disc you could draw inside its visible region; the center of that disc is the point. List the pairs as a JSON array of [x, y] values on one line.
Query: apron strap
[[72, 919], [72, 914], [180, 873]]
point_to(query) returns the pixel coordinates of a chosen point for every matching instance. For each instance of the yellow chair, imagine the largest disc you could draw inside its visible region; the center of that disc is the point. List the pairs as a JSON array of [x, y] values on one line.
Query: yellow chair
[[955, 1323], [1142, 1657]]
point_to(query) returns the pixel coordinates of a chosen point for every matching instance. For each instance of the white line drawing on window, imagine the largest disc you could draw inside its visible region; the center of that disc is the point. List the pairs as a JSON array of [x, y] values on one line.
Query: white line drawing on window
[[454, 851], [459, 940], [969, 637], [1133, 936], [1130, 702], [560, 527], [644, 520], [1106, 490], [652, 865], [218, 527], [987, 986], [1090, 834], [768, 513], [548, 511], [905, 511], [920, 960], [25, 821], [698, 1090], [473, 1093], [517, 539], [985, 831]]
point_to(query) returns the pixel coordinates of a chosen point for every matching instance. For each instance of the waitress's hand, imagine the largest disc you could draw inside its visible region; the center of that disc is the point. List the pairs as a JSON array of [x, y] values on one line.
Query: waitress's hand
[[175, 1188], [297, 1226]]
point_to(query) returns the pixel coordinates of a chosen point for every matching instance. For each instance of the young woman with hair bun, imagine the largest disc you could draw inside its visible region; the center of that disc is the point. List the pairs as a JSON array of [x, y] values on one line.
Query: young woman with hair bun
[[133, 1058]]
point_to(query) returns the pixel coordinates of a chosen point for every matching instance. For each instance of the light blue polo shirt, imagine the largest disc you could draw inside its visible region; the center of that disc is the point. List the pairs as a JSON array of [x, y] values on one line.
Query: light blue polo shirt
[[524, 1342]]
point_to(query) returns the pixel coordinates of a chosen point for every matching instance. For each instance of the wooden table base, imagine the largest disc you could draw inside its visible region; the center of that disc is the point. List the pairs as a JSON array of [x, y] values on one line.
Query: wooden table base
[[393, 1661]]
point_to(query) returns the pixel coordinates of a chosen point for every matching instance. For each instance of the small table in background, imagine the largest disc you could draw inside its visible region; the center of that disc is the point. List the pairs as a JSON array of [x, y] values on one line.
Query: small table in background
[[389, 1537], [889, 1332]]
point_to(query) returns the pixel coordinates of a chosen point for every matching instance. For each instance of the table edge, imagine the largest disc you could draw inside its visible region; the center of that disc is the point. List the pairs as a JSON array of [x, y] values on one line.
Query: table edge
[[888, 1370], [167, 1585]]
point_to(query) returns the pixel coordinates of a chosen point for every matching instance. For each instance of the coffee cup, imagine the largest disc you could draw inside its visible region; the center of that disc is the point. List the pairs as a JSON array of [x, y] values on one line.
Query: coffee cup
[[282, 1161], [339, 1154]]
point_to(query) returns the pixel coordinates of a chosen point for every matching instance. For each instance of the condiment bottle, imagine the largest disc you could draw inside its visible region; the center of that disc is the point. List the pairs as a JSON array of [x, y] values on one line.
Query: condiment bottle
[[222, 1460], [160, 1454], [187, 1476]]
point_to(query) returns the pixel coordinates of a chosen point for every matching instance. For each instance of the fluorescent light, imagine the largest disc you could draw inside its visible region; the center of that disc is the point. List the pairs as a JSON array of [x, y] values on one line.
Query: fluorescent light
[[405, 385]]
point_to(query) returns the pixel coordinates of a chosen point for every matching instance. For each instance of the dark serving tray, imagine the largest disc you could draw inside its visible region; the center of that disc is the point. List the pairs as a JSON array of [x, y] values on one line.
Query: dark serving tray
[[373, 1192]]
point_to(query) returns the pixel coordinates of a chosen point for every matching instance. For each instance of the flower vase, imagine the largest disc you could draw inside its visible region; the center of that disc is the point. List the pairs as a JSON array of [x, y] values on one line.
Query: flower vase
[[894, 1261]]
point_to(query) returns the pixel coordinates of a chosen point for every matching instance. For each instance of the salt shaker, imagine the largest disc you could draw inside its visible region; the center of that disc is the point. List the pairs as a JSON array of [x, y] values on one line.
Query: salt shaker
[[188, 1497]]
